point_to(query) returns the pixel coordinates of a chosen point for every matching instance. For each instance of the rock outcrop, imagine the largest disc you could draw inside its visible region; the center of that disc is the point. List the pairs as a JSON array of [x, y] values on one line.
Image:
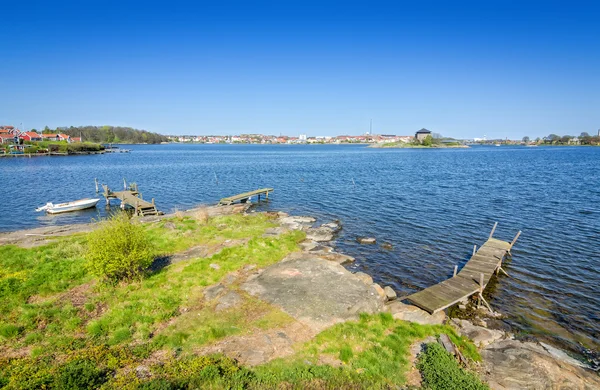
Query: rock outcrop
[[480, 335], [315, 291], [320, 234], [366, 240], [411, 313], [297, 222], [512, 364]]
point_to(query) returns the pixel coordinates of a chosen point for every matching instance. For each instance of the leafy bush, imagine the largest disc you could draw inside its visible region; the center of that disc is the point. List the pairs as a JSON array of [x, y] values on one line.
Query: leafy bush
[[441, 371], [9, 330], [428, 141], [80, 374], [119, 249]]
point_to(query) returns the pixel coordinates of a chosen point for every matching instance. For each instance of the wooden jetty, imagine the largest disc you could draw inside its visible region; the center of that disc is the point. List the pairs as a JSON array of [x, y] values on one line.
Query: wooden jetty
[[243, 198], [131, 197], [472, 278]]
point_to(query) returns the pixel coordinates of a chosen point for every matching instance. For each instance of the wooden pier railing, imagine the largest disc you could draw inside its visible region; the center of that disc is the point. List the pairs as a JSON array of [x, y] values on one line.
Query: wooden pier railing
[[245, 196], [472, 278], [130, 197]]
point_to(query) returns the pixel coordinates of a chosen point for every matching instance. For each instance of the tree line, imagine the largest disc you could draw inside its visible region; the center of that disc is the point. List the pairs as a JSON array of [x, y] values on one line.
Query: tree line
[[555, 139], [108, 134]]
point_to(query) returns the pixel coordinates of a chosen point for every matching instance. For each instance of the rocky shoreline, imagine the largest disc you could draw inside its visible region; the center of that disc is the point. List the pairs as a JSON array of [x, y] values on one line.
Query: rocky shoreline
[[507, 363], [314, 288]]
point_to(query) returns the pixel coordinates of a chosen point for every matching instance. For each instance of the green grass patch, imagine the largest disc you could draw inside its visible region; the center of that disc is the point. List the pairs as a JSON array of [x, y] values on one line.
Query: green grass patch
[[441, 371], [372, 353], [140, 306], [198, 327], [180, 233]]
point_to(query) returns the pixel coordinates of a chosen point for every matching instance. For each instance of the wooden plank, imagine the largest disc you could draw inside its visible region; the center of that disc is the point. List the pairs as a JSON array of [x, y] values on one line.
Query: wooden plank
[[444, 296], [447, 344], [245, 195], [459, 289], [486, 268], [477, 272]]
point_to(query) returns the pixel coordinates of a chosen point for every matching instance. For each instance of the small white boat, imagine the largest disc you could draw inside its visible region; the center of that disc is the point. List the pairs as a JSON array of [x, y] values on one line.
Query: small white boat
[[76, 205]]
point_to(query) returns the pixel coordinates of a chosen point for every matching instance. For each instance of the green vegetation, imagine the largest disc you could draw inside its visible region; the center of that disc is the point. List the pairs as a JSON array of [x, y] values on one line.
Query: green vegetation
[[109, 134], [428, 141], [583, 139], [119, 249], [61, 147], [60, 328], [441, 371]]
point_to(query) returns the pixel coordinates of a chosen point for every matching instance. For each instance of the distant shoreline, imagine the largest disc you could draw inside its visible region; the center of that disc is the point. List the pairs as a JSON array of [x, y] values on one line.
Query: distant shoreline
[[410, 146]]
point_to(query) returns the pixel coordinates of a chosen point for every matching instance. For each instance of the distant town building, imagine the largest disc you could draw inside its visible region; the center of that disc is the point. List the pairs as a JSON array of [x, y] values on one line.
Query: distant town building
[[302, 138], [422, 134]]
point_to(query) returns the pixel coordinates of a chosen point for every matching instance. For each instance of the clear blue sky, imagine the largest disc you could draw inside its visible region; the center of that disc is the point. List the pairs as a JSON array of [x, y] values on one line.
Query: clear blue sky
[[463, 69]]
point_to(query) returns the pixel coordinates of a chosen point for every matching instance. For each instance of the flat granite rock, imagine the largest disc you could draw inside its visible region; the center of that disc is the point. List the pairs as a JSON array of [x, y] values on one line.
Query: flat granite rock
[[315, 291], [480, 336], [512, 364], [320, 234], [401, 311]]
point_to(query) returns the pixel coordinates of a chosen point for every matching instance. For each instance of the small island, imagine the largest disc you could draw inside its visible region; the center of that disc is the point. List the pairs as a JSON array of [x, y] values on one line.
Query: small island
[[423, 139]]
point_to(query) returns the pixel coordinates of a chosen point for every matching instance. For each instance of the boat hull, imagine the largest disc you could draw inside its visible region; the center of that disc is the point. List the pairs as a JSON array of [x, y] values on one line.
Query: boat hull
[[72, 206]]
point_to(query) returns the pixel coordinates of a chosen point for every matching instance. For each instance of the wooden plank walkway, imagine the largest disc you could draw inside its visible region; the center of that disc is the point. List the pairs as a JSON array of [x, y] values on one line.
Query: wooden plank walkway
[[131, 198], [245, 196], [472, 278]]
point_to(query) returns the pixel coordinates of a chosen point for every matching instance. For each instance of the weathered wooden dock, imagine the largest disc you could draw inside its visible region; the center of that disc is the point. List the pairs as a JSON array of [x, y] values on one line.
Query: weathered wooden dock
[[131, 197], [472, 278], [243, 198]]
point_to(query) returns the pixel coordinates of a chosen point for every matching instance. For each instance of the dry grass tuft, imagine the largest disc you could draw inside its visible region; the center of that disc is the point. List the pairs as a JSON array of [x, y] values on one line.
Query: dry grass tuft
[[201, 216]]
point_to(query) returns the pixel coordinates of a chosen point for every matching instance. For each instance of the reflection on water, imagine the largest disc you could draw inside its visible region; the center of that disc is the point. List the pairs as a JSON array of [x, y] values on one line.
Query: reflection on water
[[431, 205]]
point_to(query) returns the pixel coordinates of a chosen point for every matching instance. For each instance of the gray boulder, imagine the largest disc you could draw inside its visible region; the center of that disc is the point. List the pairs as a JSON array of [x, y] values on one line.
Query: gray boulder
[[297, 222], [366, 240], [365, 278], [335, 226], [480, 335], [320, 234], [390, 293], [410, 313]]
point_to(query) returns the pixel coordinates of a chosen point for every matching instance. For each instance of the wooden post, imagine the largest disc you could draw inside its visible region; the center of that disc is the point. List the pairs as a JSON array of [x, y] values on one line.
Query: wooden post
[[124, 185], [493, 229], [474, 250], [152, 201], [455, 269], [485, 303], [267, 195], [96, 181], [480, 295], [515, 239], [503, 271]]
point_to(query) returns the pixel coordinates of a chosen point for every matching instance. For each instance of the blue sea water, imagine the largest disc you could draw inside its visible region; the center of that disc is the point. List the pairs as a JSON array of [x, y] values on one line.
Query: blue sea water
[[431, 205]]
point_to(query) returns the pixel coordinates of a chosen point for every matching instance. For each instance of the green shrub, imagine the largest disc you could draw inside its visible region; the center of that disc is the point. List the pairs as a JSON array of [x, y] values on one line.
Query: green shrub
[[119, 249], [80, 374], [441, 371], [159, 384], [9, 330]]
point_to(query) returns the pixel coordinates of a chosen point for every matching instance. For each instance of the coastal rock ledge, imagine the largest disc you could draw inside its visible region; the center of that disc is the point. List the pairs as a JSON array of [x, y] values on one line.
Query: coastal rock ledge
[[512, 364], [317, 292]]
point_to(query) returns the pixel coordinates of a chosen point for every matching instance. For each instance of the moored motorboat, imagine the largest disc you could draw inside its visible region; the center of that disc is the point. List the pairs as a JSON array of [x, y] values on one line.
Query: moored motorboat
[[76, 205]]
